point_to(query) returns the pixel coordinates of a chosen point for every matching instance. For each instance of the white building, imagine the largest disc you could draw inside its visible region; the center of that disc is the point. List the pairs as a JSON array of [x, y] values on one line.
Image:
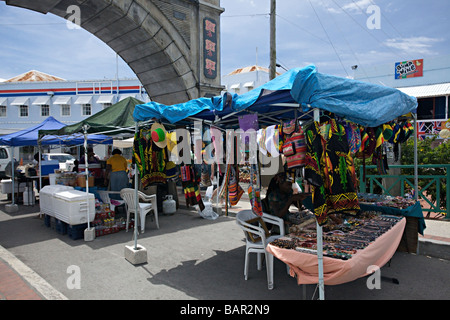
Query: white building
[[29, 98], [245, 79]]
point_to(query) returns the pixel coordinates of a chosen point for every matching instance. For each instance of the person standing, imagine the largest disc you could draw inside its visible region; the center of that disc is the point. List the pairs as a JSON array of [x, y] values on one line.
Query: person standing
[[116, 171]]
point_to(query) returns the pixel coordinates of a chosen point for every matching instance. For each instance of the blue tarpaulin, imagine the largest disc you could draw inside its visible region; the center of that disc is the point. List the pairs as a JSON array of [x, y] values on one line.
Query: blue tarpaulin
[[363, 103], [29, 136]]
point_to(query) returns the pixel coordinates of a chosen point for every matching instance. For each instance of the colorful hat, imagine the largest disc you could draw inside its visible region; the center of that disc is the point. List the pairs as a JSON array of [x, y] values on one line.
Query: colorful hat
[[159, 135], [444, 134]]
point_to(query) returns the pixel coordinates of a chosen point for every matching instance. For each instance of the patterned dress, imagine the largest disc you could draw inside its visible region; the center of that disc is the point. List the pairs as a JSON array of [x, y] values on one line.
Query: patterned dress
[[330, 170]]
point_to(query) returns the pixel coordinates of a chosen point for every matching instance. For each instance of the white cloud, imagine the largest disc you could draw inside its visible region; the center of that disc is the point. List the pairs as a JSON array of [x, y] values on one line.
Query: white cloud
[[419, 45], [358, 6]]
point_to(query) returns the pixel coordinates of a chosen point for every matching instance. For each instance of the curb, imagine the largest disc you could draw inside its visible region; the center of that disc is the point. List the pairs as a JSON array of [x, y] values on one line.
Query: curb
[[434, 248], [31, 277]]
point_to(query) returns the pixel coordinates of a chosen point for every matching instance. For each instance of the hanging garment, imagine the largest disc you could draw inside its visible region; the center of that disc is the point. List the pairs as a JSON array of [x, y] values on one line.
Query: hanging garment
[[190, 187], [254, 193], [149, 159], [289, 127], [235, 191], [330, 170], [353, 137], [294, 149]]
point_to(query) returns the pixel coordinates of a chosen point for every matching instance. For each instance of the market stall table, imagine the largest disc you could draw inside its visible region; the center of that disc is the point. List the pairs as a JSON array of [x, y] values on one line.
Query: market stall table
[[338, 271]]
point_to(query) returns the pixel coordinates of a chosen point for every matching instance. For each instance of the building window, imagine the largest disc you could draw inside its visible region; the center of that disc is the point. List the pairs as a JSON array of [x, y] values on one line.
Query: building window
[[2, 111], [65, 110], [45, 110], [23, 111], [431, 108], [439, 107], [86, 110], [106, 105]]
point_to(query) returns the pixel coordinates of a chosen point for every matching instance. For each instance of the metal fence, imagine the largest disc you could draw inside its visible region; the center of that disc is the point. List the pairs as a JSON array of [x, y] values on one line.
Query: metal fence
[[404, 184]]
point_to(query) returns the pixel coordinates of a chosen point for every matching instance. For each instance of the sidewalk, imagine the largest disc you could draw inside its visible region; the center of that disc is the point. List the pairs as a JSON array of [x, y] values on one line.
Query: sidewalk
[[188, 258]]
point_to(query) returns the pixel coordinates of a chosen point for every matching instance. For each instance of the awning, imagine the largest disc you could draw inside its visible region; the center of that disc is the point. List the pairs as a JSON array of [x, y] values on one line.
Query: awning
[[3, 101], [19, 101], [235, 86], [106, 99], [433, 90], [249, 84], [62, 100], [41, 100], [83, 100]]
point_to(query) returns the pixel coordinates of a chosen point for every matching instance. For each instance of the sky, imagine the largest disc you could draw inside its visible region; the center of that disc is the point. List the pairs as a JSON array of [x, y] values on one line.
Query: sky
[[334, 35]]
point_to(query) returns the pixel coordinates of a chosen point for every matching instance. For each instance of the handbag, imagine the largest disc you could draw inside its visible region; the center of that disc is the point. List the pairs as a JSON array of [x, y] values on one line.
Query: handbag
[[295, 147], [235, 191], [185, 173]]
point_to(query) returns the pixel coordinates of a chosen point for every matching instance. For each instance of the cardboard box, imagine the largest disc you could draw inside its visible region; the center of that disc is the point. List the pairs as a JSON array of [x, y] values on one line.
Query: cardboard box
[[81, 181]]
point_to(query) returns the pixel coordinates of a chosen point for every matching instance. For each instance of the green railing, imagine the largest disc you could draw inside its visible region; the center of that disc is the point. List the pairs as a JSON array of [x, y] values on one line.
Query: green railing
[[406, 183]]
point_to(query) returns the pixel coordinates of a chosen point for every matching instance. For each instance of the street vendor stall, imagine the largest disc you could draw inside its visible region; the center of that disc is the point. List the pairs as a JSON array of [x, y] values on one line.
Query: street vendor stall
[[30, 137], [302, 94], [115, 120]]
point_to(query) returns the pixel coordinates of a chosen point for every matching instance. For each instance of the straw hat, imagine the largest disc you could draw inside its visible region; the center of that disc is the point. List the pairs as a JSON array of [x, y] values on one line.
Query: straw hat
[[159, 135], [444, 134]]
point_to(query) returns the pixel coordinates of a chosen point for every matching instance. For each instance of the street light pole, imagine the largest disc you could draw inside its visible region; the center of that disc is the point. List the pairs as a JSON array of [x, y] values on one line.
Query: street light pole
[[273, 43]]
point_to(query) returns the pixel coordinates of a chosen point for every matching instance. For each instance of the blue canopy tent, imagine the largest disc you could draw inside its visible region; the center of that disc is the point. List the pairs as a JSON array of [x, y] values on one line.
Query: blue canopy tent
[[30, 137], [304, 88], [294, 92]]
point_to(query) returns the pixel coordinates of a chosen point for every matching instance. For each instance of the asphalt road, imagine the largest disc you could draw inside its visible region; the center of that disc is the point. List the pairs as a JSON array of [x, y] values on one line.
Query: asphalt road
[[190, 258]]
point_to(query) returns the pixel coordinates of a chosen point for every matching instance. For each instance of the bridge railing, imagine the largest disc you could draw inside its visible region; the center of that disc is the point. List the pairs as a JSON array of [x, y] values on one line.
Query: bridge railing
[[429, 181]]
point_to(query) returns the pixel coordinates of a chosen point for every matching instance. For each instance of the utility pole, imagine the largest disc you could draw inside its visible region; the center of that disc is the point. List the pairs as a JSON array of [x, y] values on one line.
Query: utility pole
[[273, 42]]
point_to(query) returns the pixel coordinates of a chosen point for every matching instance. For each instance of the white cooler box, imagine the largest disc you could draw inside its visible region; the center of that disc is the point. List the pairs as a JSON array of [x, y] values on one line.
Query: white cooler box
[[70, 206], [6, 186], [46, 198]]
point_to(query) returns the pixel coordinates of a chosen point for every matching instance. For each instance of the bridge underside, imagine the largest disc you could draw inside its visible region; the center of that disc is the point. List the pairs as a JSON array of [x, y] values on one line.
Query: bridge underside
[[166, 43]]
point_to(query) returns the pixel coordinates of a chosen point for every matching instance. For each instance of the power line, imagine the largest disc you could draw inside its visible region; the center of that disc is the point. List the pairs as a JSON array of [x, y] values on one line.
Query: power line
[[329, 39], [365, 29], [303, 29]]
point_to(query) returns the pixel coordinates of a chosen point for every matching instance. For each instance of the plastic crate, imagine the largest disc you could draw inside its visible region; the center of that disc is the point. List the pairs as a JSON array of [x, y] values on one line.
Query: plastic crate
[[60, 227], [47, 220], [76, 232]]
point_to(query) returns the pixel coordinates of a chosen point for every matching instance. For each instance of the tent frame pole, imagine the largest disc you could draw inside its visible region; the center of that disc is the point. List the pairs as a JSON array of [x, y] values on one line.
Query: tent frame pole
[[136, 197], [86, 171], [319, 239]]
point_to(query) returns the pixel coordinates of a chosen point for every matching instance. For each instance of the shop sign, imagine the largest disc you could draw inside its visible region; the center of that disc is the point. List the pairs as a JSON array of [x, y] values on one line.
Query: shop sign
[[409, 69], [209, 48]]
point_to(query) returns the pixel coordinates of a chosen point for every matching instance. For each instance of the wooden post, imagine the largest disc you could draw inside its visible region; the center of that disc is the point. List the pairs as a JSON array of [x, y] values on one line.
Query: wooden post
[[273, 42]]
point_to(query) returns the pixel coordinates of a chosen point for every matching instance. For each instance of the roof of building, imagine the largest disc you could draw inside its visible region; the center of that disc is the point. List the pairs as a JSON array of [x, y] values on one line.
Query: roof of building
[[34, 75], [250, 69], [434, 90]]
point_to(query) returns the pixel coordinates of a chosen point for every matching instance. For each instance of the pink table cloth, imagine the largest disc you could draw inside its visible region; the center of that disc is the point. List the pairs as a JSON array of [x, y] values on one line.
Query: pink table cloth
[[337, 271]]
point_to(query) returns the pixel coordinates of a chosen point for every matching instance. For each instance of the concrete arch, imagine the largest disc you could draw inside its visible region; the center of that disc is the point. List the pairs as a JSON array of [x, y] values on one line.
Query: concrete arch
[[160, 40]]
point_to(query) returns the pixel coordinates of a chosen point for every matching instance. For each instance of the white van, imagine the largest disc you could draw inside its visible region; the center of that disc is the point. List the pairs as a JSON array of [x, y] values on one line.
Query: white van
[[66, 161], [5, 158]]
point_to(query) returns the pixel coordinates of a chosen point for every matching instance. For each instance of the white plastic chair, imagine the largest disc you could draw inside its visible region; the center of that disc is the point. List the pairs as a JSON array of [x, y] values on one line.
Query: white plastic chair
[[259, 247], [104, 195], [144, 208]]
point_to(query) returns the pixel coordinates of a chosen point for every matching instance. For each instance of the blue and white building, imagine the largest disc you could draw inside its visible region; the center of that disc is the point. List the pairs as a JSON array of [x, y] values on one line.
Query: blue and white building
[[28, 99]]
